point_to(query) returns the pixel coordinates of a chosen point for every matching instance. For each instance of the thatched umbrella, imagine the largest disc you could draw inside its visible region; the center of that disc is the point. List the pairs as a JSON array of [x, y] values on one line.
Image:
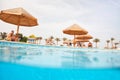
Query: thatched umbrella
[[87, 36], [75, 30], [19, 17]]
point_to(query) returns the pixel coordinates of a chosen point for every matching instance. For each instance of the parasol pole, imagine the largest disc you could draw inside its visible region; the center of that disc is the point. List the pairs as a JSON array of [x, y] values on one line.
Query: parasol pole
[[17, 29], [18, 24], [74, 41]]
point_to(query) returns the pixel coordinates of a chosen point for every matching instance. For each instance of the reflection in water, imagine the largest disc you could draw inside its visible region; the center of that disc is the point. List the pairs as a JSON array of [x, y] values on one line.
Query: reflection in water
[[76, 59], [95, 59], [12, 54], [91, 58]]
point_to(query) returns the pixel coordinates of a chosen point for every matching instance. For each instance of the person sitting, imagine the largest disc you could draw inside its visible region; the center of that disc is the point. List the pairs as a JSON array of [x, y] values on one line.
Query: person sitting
[[16, 37], [10, 36], [89, 45], [84, 46], [13, 38]]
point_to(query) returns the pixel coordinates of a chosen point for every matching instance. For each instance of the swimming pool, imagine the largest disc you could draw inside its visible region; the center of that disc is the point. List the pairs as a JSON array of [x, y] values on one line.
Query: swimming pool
[[19, 61]]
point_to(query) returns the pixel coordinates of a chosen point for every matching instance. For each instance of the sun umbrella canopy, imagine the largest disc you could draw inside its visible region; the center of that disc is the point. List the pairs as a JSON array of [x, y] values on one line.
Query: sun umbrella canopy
[[75, 30], [19, 17], [87, 36]]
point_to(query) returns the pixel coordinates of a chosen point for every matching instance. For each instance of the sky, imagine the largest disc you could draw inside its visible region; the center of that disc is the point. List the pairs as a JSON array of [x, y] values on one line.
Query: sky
[[101, 18]]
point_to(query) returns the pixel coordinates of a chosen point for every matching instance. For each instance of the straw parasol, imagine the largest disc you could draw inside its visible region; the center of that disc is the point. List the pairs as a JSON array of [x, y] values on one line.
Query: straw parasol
[[19, 17], [75, 30], [87, 36]]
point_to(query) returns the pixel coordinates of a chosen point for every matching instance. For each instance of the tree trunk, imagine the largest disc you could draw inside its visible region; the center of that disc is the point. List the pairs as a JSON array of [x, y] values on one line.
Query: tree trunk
[[96, 44], [112, 44], [107, 45]]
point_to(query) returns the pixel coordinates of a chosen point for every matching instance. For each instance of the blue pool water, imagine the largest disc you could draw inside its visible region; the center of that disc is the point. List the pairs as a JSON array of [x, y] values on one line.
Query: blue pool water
[[37, 62]]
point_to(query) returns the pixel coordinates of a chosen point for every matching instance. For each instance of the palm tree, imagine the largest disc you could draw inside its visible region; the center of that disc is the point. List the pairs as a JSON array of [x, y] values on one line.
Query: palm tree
[[64, 39], [51, 40], [0, 35], [46, 41], [116, 44], [57, 39], [108, 41], [51, 37], [39, 38], [96, 40], [112, 39]]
